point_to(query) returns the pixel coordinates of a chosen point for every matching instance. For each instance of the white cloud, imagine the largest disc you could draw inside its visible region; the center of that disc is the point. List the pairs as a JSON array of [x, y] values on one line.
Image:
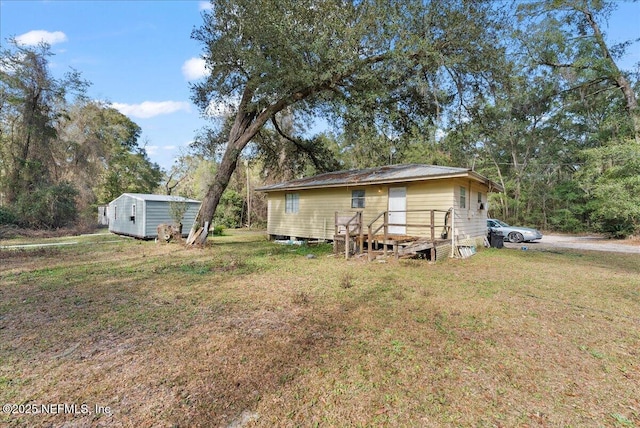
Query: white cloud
[[149, 109], [34, 37], [154, 150], [194, 68], [205, 5]]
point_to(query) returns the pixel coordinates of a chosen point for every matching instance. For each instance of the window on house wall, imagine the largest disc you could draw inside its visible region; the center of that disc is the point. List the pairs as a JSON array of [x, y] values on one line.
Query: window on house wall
[[463, 197], [480, 203], [357, 199], [115, 212], [292, 203], [133, 212]]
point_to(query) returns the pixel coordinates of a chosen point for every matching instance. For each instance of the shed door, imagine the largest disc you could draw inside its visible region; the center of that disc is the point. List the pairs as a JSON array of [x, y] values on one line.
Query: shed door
[[397, 210]]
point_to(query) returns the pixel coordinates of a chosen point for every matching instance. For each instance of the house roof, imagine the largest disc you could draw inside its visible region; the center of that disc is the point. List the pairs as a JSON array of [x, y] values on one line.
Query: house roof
[[380, 175], [159, 198]]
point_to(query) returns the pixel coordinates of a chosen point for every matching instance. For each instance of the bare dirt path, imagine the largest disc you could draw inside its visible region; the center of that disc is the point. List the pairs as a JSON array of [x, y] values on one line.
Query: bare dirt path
[[588, 242]]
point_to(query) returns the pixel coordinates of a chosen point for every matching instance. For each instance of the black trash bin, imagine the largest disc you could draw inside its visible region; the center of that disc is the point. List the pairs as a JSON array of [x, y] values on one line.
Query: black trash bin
[[496, 240]]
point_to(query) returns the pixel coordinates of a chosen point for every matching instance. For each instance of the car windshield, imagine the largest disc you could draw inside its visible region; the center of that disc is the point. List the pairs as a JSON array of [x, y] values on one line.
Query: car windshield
[[501, 223]]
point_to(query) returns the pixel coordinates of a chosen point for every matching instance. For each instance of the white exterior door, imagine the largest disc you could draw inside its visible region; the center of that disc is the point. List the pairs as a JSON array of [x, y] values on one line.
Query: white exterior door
[[397, 210]]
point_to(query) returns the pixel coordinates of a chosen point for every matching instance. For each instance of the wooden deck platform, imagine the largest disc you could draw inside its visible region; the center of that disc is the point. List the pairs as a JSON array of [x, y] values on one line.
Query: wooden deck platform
[[397, 245], [351, 235]]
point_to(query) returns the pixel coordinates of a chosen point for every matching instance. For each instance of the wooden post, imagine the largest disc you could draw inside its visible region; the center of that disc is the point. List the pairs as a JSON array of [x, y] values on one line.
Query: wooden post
[[346, 242], [335, 234], [361, 232], [370, 243], [433, 225], [386, 232]]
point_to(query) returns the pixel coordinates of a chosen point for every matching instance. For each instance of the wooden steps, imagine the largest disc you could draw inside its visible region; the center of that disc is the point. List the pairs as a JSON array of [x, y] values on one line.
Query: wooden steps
[[397, 246], [416, 246]]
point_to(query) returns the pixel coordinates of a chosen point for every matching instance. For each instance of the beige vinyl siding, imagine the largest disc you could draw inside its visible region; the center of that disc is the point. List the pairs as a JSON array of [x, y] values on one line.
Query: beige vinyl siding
[[470, 222], [316, 215], [317, 207], [423, 197]]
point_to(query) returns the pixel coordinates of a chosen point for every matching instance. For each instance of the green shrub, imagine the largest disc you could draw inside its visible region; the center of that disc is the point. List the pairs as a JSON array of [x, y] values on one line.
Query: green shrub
[[565, 220], [218, 230], [7, 216], [616, 206], [47, 207], [612, 176], [229, 211]]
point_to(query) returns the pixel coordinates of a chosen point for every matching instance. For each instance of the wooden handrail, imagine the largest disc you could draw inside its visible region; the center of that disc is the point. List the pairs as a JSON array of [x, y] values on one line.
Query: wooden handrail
[[355, 220], [347, 234], [376, 219], [385, 224]]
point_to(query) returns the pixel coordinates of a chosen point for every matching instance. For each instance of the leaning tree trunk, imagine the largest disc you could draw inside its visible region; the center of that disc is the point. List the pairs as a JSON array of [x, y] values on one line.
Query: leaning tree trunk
[[245, 127], [631, 102], [239, 137]]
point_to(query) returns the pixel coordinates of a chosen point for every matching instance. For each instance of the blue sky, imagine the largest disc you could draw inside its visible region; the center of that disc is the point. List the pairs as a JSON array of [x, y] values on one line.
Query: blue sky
[[139, 55]]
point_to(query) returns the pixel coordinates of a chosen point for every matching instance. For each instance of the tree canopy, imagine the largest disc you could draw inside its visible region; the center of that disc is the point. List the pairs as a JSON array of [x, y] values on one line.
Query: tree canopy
[[366, 61], [528, 93], [60, 152]]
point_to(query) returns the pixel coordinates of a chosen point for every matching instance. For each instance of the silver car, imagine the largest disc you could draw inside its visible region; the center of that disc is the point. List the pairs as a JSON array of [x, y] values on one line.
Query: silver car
[[513, 233]]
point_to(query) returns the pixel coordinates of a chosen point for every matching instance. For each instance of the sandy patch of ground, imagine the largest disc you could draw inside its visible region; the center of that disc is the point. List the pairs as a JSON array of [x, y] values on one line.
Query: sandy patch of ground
[[586, 242]]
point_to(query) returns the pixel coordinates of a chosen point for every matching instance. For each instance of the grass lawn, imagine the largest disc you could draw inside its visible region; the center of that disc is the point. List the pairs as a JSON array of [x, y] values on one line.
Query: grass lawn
[[249, 333]]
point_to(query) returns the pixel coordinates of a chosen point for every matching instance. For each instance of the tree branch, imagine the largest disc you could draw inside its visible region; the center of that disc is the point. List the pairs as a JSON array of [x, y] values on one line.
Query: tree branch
[[567, 65], [298, 144]]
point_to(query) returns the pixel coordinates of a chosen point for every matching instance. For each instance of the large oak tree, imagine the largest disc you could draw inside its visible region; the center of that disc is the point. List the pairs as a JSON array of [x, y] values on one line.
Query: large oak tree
[[344, 58], [567, 36]]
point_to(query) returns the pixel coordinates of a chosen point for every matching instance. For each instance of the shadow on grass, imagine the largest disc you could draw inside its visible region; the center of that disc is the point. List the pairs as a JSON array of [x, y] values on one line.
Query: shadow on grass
[[158, 315], [163, 334]]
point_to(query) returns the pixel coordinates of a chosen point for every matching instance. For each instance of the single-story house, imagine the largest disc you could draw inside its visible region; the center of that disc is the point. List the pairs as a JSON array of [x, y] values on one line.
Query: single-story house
[[138, 214], [410, 194]]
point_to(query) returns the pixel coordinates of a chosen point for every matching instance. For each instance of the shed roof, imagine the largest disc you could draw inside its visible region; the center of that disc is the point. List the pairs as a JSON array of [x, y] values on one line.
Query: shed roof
[[380, 175], [159, 198]]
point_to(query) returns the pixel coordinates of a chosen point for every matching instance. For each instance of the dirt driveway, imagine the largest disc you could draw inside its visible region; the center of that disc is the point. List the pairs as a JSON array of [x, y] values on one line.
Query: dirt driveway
[[588, 242]]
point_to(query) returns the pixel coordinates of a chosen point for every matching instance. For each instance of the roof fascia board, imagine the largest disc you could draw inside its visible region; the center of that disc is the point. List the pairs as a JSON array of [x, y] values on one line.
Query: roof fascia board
[[371, 182], [492, 184]]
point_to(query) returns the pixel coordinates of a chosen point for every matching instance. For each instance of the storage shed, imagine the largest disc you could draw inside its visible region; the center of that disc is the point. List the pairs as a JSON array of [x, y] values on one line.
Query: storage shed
[[407, 200], [103, 218], [138, 215]]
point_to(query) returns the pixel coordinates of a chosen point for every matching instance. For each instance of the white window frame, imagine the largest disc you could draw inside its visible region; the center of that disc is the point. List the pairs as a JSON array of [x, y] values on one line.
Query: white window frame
[[358, 198], [291, 203], [463, 198]]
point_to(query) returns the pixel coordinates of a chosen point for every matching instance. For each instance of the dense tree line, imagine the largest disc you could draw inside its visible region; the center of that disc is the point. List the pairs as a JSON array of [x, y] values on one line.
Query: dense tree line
[[61, 153], [529, 94]]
